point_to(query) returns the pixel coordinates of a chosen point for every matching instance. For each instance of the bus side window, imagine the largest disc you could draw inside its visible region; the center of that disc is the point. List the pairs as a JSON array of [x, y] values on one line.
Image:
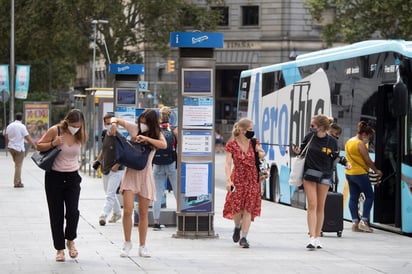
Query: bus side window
[[280, 81], [268, 83]]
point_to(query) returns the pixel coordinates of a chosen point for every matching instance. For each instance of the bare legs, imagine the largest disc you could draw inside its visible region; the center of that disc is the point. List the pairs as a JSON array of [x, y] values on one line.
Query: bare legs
[[316, 196], [243, 219], [128, 205]]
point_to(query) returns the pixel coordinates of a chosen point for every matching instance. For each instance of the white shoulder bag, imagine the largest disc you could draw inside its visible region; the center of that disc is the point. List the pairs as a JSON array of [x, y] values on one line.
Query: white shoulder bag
[[296, 165]]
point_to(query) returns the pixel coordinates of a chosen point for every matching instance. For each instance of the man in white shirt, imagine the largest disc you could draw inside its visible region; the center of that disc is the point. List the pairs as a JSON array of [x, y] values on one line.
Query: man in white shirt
[[16, 132]]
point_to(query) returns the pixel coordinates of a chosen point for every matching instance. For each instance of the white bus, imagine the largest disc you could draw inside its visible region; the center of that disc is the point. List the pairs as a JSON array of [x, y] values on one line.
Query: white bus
[[369, 81]]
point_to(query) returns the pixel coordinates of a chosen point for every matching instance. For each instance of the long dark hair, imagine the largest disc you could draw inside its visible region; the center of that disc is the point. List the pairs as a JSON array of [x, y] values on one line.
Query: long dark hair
[[152, 121], [74, 116]]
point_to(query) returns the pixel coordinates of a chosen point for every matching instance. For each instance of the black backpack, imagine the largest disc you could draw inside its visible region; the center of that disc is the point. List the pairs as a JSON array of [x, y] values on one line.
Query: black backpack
[[168, 155], [109, 153]]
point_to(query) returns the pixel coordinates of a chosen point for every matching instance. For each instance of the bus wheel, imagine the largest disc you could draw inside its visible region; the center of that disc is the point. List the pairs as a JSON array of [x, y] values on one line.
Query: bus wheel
[[274, 185]]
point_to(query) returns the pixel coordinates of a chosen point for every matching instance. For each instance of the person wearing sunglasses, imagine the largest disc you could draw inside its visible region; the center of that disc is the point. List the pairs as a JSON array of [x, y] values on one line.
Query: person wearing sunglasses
[[318, 171]]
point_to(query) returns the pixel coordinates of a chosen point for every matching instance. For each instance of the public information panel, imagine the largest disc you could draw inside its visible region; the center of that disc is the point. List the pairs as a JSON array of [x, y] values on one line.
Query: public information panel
[[195, 205]]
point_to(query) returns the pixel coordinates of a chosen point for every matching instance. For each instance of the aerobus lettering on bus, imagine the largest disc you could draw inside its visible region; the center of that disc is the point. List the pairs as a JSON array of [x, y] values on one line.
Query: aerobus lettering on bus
[[274, 121], [358, 82], [286, 114]]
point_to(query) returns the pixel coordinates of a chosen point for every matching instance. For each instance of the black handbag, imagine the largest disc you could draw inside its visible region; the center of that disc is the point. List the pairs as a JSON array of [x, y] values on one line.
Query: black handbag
[[45, 159], [131, 154], [313, 175], [108, 153]]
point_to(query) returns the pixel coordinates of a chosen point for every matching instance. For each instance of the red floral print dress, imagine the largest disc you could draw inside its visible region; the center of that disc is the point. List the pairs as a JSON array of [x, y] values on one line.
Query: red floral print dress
[[247, 194]]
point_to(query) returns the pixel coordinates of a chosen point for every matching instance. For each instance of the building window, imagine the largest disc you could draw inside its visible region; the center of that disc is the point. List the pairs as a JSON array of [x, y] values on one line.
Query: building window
[[250, 15], [224, 15]]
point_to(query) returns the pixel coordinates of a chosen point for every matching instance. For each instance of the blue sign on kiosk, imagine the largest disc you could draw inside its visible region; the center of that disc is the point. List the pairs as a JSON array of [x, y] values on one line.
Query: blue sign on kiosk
[[127, 69], [196, 39]]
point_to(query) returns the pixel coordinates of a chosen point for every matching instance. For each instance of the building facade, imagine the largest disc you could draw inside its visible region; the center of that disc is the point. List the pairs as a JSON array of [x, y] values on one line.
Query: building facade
[[256, 33]]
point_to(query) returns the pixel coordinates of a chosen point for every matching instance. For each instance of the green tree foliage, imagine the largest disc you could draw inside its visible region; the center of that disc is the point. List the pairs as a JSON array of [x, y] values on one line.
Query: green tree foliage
[[363, 19], [54, 36], [46, 39]]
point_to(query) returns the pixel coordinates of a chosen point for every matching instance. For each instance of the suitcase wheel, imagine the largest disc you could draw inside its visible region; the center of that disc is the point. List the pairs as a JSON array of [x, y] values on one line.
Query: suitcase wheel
[[339, 233]]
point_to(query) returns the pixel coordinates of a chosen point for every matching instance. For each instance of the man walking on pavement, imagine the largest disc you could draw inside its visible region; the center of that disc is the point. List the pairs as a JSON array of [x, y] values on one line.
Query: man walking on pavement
[[16, 132], [112, 175]]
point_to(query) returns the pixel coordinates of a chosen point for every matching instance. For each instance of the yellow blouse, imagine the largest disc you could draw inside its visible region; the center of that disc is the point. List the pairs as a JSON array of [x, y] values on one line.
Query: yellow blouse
[[354, 157]]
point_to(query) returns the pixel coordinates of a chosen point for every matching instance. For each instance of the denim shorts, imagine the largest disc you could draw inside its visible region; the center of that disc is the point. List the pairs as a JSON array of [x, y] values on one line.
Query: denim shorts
[[326, 181]]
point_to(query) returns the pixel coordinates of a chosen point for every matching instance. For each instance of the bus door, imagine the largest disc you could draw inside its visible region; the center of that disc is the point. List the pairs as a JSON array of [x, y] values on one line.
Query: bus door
[[388, 149]]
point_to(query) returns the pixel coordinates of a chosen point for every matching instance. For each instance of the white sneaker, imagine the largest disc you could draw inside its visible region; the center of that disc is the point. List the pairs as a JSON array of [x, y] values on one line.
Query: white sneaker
[[318, 244], [127, 246], [311, 244], [143, 252], [115, 218]]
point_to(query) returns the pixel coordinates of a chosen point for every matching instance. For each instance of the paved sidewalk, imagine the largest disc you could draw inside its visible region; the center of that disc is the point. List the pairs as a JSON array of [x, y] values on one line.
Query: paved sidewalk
[[277, 239]]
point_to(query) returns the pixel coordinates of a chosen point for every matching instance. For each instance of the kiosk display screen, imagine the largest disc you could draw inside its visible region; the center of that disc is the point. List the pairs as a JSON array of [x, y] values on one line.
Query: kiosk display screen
[[197, 81], [126, 96]]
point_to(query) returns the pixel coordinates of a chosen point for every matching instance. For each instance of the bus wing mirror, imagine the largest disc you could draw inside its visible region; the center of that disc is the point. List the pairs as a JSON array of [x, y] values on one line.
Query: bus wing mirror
[[400, 99]]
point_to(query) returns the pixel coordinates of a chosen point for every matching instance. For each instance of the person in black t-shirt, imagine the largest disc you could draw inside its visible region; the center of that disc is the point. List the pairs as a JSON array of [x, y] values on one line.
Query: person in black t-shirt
[[318, 173]]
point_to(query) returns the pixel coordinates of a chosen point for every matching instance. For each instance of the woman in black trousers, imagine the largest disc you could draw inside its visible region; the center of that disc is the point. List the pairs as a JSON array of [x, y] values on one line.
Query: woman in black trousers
[[62, 183]]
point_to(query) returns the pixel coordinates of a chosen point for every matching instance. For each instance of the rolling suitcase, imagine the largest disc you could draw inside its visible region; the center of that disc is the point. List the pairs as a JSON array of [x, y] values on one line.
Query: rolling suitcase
[[333, 221]]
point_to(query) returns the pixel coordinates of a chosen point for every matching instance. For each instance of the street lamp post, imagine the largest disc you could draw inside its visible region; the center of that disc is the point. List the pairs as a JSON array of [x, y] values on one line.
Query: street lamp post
[[90, 107], [12, 74], [94, 23]]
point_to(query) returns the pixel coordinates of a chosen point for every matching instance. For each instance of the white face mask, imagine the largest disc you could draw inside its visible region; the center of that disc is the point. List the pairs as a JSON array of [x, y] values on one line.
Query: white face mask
[[73, 130], [107, 127], [143, 128]]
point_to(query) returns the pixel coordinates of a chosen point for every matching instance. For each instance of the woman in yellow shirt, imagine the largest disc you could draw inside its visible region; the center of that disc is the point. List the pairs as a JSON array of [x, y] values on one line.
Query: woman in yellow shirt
[[357, 154]]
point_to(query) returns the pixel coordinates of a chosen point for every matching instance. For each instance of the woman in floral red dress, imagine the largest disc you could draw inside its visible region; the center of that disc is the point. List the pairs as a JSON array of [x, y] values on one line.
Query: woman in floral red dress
[[243, 199]]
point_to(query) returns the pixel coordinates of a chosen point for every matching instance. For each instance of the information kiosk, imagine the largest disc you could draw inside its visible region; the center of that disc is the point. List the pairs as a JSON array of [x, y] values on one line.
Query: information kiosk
[[196, 101], [126, 96]]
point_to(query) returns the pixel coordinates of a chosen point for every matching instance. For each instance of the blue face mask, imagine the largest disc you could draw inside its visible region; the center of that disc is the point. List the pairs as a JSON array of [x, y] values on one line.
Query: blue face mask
[[107, 127]]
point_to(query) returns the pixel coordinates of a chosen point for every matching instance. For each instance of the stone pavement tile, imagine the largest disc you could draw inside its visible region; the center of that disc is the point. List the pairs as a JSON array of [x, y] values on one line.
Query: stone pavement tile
[[277, 239]]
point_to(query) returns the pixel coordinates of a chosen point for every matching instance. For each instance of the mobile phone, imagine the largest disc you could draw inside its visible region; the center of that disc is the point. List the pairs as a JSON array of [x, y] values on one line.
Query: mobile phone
[[232, 188]]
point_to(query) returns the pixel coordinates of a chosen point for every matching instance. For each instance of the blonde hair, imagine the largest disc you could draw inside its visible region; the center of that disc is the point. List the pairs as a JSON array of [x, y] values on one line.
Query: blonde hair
[[243, 123], [322, 121], [165, 113]]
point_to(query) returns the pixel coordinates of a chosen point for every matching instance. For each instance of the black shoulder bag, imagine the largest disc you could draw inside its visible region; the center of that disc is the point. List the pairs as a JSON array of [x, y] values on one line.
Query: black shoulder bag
[[257, 162], [45, 160]]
